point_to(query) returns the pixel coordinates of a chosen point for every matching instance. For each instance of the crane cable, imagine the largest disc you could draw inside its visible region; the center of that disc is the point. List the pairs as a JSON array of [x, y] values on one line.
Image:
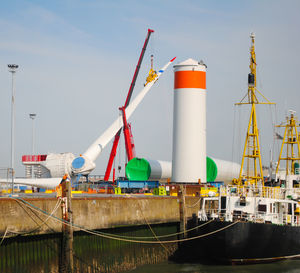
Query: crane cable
[[233, 134], [121, 239]]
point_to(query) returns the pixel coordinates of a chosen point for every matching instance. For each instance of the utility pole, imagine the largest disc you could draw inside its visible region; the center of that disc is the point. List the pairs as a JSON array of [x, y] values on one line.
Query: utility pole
[[12, 68]]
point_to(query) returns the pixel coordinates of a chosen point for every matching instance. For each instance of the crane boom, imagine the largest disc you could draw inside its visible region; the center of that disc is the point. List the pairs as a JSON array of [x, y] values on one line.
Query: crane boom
[[129, 145], [130, 91], [137, 69]]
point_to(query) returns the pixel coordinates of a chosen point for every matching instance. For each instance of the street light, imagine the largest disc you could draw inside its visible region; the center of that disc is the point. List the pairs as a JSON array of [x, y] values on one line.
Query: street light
[[32, 116], [12, 68]]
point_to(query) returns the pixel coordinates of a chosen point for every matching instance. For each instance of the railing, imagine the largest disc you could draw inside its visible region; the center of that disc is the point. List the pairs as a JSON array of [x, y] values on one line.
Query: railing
[[249, 191], [258, 217], [33, 158]]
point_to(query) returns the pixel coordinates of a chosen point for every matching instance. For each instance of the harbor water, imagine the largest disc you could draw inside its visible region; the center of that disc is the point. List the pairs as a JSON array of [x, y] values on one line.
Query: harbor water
[[92, 253], [291, 266]]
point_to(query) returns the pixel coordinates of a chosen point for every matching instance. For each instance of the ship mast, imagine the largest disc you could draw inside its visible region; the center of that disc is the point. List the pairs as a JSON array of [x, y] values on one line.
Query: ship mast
[[252, 154], [290, 138]]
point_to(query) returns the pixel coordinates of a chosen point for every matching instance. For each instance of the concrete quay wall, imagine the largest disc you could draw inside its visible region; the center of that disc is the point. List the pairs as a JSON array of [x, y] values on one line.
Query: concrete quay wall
[[93, 213]]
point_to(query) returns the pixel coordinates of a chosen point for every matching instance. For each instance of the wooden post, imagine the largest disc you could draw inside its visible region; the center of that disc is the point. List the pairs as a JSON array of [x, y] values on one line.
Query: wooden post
[[66, 263], [182, 209]]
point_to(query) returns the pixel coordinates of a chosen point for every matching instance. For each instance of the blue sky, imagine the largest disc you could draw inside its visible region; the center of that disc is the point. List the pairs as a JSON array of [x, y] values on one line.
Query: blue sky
[[77, 59]]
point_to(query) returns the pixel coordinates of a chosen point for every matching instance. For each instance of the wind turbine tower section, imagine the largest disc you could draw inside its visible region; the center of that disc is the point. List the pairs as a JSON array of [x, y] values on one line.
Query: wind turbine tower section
[[189, 122]]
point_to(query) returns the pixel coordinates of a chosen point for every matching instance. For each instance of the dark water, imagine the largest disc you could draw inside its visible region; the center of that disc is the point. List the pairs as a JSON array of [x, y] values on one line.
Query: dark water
[[291, 266], [37, 254]]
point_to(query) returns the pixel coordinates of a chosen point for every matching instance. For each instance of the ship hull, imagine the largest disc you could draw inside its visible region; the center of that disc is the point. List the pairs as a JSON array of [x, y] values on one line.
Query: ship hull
[[241, 243]]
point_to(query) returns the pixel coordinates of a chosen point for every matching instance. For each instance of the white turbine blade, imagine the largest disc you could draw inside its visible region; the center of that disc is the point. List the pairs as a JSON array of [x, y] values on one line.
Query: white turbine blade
[[34, 182], [96, 148], [133, 105]]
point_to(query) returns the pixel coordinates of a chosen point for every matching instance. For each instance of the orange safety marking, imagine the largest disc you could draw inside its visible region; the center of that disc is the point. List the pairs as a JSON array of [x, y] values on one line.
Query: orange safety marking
[[190, 79]]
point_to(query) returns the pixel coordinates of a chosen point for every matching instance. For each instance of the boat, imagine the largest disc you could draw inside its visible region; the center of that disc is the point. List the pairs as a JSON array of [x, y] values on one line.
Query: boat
[[251, 220], [257, 226]]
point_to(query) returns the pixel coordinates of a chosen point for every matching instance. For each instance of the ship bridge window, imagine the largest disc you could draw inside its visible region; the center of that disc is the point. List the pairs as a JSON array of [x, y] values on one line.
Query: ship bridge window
[[223, 204], [242, 201], [262, 208], [289, 208]]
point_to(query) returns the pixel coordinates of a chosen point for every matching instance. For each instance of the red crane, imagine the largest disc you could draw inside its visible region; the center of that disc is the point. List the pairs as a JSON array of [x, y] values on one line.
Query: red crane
[[126, 127]]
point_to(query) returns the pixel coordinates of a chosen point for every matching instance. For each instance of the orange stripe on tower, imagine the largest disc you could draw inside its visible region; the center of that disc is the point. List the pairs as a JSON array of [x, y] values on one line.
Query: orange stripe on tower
[[190, 79]]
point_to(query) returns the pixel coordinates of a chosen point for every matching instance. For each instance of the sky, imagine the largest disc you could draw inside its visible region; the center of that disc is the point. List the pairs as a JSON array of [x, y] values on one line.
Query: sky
[[77, 58]]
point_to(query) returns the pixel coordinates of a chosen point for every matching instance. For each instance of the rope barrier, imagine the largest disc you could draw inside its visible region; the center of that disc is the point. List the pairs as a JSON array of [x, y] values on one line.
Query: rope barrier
[[38, 225], [123, 239], [158, 236], [46, 220], [151, 228], [95, 269], [143, 237], [191, 206], [166, 242]]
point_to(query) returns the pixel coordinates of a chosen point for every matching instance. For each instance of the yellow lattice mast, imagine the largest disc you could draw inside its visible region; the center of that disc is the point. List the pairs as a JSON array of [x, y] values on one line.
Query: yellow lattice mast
[[291, 140], [252, 155]]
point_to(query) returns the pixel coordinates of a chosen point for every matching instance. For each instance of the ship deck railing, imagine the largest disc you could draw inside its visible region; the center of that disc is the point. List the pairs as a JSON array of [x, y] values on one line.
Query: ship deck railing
[[250, 191], [258, 217]]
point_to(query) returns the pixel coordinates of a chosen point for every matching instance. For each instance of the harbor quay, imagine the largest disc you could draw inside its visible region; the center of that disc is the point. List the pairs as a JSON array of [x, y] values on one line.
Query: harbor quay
[[107, 211]]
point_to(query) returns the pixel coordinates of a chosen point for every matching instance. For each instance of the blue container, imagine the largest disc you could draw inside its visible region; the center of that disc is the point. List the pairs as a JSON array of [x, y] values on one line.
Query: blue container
[[216, 184], [137, 184]]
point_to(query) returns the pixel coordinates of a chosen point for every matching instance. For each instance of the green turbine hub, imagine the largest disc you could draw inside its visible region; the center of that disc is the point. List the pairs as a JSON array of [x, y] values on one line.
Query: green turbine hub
[[138, 169]]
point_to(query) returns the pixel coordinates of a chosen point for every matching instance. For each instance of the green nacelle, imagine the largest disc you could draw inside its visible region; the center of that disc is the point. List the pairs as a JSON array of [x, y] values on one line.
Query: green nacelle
[[211, 170], [138, 169]]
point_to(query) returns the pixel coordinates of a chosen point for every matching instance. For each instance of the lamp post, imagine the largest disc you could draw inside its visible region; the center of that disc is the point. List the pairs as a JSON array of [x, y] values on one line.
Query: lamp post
[[12, 68], [32, 116]]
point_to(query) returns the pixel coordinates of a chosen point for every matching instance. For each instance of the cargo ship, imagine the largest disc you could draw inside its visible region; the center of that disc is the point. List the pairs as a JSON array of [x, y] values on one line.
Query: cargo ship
[[254, 219]]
